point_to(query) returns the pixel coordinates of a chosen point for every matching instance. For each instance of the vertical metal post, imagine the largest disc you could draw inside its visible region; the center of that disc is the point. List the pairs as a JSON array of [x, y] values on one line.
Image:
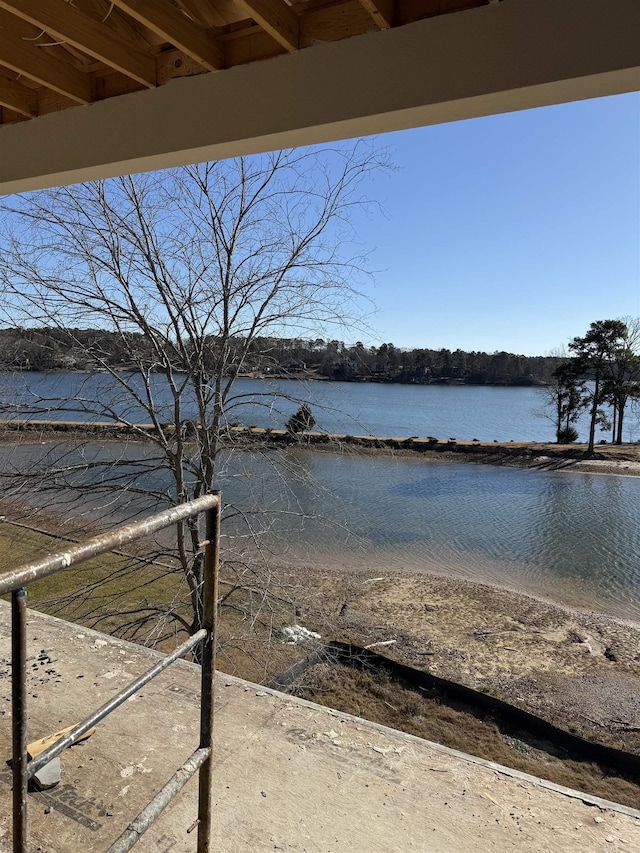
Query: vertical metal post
[[209, 620], [19, 717]]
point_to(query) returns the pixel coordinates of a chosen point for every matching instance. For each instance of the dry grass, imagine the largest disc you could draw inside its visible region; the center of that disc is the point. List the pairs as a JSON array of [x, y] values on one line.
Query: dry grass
[[381, 699]]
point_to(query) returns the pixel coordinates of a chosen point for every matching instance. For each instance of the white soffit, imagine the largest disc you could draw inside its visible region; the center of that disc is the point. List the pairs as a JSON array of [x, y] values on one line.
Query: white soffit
[[507, 56]]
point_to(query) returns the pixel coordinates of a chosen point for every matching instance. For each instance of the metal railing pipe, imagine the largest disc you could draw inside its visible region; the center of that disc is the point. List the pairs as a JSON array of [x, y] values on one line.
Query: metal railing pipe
[[19, 717], [209, 622], [31, 572], [22, 769], [77, 731], [161, 800]]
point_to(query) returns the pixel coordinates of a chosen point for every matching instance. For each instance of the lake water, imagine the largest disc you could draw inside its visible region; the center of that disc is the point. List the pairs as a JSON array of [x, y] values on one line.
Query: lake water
[[444, 411], [573, 538]]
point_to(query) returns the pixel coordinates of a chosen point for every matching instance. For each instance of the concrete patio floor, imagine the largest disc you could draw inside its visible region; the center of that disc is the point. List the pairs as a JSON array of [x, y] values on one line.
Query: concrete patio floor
[[290, 775]]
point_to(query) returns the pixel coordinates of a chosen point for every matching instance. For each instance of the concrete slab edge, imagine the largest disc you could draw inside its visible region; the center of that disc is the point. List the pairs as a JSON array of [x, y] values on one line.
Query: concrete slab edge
[[587, 799]]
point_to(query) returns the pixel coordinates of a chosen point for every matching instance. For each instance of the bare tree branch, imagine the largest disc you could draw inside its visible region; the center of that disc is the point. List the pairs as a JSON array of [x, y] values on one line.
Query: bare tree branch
[[191, 270]]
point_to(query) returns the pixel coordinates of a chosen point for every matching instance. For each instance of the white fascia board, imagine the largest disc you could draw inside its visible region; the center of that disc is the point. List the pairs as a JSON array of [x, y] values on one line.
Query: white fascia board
[[507, 56]]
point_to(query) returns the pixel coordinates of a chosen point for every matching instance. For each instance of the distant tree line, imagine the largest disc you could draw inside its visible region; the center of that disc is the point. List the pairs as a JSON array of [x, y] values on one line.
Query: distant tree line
[[86, 349], [600, 376]]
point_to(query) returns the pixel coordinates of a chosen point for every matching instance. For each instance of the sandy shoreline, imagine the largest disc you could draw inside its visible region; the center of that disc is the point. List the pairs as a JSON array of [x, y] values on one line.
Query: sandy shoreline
[[619, 461], [576, 668]]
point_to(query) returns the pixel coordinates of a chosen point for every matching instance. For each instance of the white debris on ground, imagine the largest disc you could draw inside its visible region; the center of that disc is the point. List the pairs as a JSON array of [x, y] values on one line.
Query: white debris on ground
[[297, 634]]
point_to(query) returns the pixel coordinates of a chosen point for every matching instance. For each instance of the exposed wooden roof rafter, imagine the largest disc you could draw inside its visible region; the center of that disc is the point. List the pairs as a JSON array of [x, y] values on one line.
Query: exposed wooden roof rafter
[[69, 52], [20, 55], [209, 14], [17, 97], [382, 12], [64, 22], [168, 22], [277, 18]]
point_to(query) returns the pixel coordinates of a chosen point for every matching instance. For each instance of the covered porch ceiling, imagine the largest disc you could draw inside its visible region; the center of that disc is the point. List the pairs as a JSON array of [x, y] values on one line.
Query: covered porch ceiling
[[62, 53], [93, 88]]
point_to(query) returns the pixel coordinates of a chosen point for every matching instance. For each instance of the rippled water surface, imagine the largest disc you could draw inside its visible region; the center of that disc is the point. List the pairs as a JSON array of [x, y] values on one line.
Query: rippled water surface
[[574, 538]]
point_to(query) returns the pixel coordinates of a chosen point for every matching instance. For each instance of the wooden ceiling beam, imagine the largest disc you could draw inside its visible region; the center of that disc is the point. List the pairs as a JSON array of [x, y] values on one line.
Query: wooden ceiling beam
[[382, 12], [164, 19], [209, 14], [517, 55], [67, 24], [121, 25], [25, 58], [18, 98], [277, 18]]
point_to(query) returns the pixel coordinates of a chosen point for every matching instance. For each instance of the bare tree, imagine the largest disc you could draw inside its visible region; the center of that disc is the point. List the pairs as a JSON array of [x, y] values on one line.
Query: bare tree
[[192, 270]]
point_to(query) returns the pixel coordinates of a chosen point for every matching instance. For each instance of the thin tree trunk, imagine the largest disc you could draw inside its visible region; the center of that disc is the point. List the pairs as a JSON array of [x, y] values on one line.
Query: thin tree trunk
[[613, 428], [594, 414], [620, 419]]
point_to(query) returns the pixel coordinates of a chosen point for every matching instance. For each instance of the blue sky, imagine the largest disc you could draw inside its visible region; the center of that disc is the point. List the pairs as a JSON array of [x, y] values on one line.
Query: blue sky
[[511, 232]]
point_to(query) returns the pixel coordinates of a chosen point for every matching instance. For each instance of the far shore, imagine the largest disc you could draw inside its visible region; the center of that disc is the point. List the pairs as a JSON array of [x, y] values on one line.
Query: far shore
[[607, 458], [283, 374]]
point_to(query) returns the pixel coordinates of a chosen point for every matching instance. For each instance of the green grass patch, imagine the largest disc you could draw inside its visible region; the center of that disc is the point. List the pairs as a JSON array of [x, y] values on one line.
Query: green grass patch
[[135, 599], [111, 593]]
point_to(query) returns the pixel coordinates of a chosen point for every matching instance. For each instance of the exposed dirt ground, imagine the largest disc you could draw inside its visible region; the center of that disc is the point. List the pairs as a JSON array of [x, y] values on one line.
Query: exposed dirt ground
[[435, 716], [579, 670]]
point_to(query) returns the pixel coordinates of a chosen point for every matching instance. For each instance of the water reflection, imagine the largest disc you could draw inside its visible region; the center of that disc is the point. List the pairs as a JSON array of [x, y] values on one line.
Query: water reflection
[[568, 536]]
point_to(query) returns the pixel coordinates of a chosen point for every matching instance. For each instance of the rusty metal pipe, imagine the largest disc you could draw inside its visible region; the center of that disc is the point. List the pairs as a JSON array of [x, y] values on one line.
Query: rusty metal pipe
[[209, 621], [162, 799], [15, 581], [31, 572], [19, 717], [77, 731]]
